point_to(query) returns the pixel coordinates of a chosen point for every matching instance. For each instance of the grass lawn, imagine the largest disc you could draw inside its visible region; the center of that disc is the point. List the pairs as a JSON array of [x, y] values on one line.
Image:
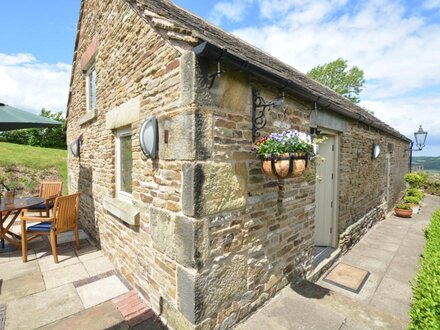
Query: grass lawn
[[34, 158]]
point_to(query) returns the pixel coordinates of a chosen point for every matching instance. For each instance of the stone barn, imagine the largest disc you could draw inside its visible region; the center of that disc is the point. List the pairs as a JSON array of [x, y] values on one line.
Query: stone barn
[[198, 229]]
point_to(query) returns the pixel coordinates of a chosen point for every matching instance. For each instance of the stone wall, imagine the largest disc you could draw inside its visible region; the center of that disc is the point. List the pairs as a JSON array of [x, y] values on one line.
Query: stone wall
[[138, 75], [363, 181], [207, 238]]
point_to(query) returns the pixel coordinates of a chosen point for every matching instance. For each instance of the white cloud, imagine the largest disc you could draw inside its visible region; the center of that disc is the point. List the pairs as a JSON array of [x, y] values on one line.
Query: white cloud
[[406, 114], [396, 43], [398, 53], [431, 4], [28, 84], [230, 10]]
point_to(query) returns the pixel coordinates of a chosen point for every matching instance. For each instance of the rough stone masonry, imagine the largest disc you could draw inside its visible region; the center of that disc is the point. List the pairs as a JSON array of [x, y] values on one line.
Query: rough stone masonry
[[206, 238]]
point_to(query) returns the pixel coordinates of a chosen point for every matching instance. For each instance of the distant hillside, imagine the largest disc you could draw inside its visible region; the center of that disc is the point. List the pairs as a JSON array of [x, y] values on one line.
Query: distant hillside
[[428, 163]]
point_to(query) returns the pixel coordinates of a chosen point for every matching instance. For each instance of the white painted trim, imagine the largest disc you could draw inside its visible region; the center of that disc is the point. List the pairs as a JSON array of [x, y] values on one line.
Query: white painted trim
[[118, 134], [88, 96]]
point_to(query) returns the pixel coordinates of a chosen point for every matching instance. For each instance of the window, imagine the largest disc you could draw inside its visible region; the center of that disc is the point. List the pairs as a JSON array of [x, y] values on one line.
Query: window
[[91, 88], [124, 164]]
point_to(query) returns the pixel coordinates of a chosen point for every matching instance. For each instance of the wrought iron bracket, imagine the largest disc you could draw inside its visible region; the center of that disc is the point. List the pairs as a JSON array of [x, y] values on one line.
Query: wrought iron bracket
[[259, 109]]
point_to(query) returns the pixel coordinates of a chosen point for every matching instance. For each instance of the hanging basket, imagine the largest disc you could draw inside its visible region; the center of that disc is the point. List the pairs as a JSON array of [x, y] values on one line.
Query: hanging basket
[[285, 165]]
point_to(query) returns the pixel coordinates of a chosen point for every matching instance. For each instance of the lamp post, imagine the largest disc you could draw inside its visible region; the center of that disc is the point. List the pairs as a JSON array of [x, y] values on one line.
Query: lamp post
[[420, 137]]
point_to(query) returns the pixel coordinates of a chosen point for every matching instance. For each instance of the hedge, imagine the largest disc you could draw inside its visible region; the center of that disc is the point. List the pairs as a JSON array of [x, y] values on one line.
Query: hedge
[[425, 309]]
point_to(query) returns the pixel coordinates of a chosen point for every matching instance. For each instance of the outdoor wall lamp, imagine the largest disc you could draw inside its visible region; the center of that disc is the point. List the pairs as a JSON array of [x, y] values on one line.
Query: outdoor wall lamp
[[148, 137], [75, 146], [375, 151], [259, 108], [420, 137]]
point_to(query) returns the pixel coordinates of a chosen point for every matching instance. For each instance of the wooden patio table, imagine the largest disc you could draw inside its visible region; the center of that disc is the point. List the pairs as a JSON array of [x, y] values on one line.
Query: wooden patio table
[[12, 211]]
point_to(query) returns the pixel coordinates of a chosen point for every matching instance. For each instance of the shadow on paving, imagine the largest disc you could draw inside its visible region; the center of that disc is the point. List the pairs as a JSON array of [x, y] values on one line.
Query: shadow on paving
[[310, 290]]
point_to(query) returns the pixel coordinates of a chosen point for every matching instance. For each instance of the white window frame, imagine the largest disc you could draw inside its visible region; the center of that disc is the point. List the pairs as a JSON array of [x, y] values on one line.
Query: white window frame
[[121, 194], [88, 74]]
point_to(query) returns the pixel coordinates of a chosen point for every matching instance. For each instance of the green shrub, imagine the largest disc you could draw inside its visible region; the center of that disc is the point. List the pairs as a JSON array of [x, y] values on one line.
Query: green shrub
[[414, 180], [414, 192], [425, 309], [403, 206], [432, 185], [423, 175], [411, 200]]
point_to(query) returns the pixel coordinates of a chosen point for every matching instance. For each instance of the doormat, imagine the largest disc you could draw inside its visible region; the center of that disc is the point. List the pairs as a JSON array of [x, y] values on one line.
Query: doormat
[[347, 277]]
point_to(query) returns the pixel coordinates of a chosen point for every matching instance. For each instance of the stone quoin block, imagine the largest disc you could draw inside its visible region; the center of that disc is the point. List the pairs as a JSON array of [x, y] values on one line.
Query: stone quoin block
[[211, 188], [185, 136]]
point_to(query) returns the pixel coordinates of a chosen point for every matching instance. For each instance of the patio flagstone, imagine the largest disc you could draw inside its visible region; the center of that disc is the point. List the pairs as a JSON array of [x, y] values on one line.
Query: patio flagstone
[[43, 308], [40, 293], [392, 257], [103, 316], [98, 265], [17, 268], [100, 291], [65, 258], [68, 274], [21, 286]]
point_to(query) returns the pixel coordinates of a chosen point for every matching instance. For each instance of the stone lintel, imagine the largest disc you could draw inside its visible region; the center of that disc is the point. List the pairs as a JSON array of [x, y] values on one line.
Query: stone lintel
[[123, 210], [124, 114]]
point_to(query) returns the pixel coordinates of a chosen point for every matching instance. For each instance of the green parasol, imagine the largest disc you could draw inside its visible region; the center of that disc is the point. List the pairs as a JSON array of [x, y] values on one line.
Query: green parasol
[[12, 118]]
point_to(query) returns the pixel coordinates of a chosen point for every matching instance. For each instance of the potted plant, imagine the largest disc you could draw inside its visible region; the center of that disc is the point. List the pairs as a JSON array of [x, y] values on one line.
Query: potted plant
[[414, 192], [403, 210], [413, 202], [286, 154]]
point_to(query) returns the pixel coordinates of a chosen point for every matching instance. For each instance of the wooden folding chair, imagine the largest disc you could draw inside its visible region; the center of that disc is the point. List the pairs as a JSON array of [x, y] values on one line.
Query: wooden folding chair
[[63, 218], [49, 191]]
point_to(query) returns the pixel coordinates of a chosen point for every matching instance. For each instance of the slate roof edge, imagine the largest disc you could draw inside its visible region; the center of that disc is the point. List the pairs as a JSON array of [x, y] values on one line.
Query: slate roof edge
[[205, 31]]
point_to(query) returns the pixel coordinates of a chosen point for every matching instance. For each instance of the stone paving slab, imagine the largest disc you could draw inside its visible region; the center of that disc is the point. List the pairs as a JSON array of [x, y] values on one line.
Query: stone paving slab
[[69, 236], [65, 258], [43, 308], [391, 251], [22, 286], [40, 293], [61, 276], [102, 290], [103, 316], [98, 265], [17, 269], [310, 306]]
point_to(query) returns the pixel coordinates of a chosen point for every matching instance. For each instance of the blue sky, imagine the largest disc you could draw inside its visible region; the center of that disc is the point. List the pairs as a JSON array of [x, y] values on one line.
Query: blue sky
[[396, 43]]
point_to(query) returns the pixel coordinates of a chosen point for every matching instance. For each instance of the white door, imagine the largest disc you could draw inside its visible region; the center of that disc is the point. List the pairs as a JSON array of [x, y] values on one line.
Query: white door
[[325, 193]]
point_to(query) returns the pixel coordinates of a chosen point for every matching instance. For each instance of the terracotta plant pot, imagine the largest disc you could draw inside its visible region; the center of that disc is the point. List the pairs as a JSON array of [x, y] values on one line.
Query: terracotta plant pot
[[284, 166], [403, 213]]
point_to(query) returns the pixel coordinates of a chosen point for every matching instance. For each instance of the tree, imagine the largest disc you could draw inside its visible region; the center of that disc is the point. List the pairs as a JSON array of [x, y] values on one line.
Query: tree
[[53, 137], [337, 76]]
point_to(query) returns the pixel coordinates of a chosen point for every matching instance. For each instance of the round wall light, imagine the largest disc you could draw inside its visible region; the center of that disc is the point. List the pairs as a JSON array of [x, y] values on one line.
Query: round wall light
[[75, 147], [376, 151], [148, 137]]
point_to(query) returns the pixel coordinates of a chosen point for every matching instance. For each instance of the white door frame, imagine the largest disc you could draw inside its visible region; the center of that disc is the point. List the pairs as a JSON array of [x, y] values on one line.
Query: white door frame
[[335, 211]]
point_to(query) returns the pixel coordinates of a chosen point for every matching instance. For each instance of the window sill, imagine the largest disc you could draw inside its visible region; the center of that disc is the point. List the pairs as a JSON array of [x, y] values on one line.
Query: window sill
[[89, 116], [123, 210]]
